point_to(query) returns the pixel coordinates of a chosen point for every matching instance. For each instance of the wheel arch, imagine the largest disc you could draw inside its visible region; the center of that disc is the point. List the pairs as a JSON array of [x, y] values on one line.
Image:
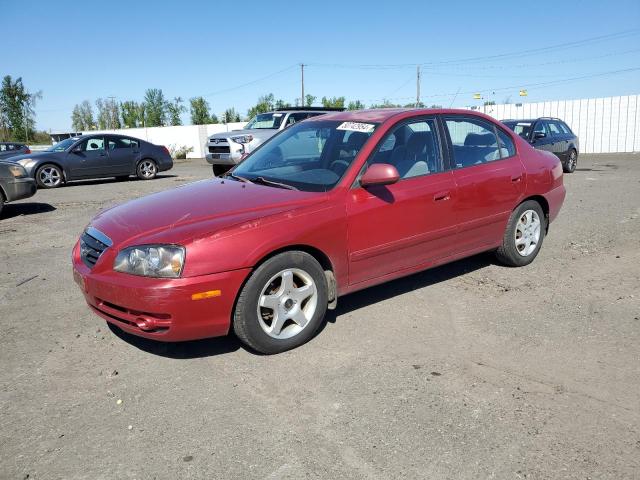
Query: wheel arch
[[544, 204]]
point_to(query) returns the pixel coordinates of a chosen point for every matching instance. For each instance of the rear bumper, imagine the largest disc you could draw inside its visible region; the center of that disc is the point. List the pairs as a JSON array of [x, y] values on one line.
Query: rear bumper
[[555, 198], [161, 309], [19, 188]]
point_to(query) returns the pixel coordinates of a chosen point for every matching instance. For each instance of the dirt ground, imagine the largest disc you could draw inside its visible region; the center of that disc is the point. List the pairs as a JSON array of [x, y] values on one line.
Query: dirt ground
[[471, 370]]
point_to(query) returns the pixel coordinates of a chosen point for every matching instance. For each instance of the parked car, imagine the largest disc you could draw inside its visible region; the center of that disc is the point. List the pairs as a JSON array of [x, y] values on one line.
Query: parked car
[[326, 207], [552, 135], [11, 149], [225, 149], [95, 156], [15, 183]]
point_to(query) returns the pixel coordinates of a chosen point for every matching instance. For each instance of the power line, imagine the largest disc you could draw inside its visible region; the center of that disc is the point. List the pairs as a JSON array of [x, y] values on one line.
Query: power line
[[290, 67], [502, 56]]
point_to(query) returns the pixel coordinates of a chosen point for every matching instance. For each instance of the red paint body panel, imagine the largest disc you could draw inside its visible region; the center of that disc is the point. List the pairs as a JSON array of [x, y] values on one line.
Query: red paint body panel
[[369, 236]]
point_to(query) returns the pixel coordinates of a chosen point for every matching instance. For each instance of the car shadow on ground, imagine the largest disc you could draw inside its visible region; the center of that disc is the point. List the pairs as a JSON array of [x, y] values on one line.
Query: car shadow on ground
[[221, 345], [27, 208], [101, 181]]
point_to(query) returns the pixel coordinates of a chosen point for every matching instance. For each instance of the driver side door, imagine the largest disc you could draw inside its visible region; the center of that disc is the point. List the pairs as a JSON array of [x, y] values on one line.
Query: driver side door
[[408, 225], [89, 158]]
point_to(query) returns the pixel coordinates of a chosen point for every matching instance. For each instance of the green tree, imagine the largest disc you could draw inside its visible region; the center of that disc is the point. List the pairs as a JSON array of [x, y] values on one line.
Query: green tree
[[282, 104], [130, 112], [265, 103], [230, 115], [17, 115], [309, 99], [200, 112], [155, 108], [385, 104], [333, 102], [108, 114], [355, 105], [82, 117], [175, 110]]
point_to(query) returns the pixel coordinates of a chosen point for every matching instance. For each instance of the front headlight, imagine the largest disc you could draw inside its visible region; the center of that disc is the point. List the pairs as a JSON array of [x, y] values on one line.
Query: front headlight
[[27, 162], [242, 138], [160, 261], [17, 171]]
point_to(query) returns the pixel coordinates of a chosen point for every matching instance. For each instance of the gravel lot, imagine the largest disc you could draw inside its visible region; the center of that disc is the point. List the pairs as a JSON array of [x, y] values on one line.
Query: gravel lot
[[471, 370]]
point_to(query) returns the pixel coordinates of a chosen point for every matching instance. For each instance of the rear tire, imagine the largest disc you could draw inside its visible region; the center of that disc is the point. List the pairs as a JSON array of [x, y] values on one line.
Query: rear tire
[[147, 169], [49, 176], [523, 236], [283, 303], [569, 165]]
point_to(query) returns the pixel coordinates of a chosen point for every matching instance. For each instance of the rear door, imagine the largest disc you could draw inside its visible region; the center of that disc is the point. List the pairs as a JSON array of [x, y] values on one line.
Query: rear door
[[398, 227], [560, 140], [489, 176], [123, 153]]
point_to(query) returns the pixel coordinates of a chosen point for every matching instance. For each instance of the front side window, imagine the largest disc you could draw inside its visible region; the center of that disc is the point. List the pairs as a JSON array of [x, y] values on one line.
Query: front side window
[[412, 148], [265, 120], [311, 156], [93, 144], [473, 140], [296, 117], [540, 128]]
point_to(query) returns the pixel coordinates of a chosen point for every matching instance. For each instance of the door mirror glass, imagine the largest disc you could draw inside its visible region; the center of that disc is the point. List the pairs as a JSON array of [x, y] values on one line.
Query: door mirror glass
[[380, 174]]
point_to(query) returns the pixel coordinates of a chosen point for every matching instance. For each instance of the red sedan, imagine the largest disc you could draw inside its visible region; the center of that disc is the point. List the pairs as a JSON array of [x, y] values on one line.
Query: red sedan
[[328, 206]]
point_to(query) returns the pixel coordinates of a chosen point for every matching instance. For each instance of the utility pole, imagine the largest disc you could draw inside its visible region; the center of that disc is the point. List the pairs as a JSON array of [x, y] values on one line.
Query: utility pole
[[302, 84], [418, 86]]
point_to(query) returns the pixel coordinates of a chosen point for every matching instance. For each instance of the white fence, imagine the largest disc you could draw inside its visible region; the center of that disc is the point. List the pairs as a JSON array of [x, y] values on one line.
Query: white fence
[[190, 136], [603, 125]]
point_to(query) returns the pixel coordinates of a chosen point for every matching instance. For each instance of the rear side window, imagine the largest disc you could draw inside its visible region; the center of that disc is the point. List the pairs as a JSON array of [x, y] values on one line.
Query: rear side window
[[507, 148], [474, 141], [565, 128], [115, 142]]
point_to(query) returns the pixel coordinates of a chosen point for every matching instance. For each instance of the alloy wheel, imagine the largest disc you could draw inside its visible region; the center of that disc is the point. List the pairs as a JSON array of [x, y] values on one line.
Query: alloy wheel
[[50, 177], [527, 234], [287, 303], [147, 168]]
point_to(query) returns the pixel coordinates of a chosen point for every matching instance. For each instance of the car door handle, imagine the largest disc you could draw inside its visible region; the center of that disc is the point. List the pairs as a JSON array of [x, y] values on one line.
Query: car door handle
[[442, 196], [516, 178]]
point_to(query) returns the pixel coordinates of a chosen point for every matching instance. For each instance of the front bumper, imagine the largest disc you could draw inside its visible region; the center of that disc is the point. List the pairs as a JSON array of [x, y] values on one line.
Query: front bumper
[[161, 309], [19, 188]]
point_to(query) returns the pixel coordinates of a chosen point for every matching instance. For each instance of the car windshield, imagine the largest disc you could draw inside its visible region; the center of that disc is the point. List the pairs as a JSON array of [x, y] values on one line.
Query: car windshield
[[62, 146], [266, 120], [311, 156], [520, 128]]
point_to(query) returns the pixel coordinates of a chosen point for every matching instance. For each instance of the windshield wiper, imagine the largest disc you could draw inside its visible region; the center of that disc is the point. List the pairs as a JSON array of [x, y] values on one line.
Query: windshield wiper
[[237, 177], [264, 181]]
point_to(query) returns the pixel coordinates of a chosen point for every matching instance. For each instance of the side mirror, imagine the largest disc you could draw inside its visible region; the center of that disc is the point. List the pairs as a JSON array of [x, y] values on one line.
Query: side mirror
[[539, 134], [380, 174]]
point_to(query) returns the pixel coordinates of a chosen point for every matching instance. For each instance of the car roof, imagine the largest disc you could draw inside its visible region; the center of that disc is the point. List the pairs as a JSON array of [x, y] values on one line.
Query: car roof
[[531, 120], [380, 115]]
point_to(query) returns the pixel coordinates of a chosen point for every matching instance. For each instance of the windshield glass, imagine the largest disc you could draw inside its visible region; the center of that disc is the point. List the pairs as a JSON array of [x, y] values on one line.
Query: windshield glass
[[62, 146], [265, 120], [312, 156]]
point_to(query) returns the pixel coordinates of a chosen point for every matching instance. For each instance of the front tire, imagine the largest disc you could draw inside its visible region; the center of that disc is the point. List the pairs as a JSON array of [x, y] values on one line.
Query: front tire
[[147, 169], [219, 170], [523, 236], [283, 303], [49, 176], [569, 165]]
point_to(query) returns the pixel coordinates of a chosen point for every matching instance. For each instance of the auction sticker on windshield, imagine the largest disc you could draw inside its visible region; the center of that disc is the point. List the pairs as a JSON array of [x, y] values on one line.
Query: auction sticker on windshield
[[357, 127]]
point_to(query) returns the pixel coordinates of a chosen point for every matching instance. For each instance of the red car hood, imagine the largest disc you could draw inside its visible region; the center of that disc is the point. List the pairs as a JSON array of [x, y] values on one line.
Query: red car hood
[[195, 210]]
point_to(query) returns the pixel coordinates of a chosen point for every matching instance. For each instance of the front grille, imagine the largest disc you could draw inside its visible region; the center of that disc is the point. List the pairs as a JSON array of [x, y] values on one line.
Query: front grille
[[92, 244], [219, 150]]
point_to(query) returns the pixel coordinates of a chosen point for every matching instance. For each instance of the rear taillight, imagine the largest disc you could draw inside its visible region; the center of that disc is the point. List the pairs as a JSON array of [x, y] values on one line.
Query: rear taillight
[[166, 150], [27, 151]]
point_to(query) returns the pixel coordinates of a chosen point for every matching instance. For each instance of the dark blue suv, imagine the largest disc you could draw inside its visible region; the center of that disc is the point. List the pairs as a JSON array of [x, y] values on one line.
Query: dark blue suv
[[550, 134]]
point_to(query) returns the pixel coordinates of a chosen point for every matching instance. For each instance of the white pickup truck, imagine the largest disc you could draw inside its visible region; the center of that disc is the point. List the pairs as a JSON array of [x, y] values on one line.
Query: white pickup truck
[[226, 149]]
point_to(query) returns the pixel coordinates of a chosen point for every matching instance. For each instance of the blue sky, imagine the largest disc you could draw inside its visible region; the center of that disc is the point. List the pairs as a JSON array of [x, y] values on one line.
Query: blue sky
[[73, 51]]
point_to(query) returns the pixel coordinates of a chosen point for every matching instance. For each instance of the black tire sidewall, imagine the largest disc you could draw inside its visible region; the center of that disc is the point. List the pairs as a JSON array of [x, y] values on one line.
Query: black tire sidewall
[[508, 252], [566, 167], [246, 324], [41, 167]]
